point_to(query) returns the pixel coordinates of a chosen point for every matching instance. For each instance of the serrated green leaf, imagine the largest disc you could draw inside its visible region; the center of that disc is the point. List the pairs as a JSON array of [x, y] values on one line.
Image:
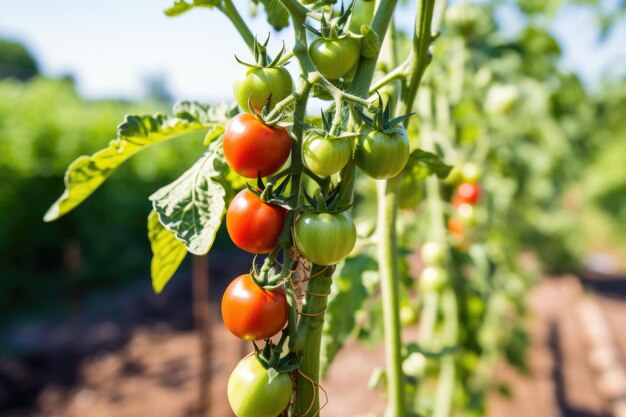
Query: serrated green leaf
[[192, 207], [277, 15], [181, 6], [167, 253], [431, 161], [449, 350], [347, 297], [87, 173]]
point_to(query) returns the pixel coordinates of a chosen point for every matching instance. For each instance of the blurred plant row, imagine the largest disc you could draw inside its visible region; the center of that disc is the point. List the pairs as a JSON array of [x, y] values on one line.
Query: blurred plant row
[[44, 124], [545, 151]]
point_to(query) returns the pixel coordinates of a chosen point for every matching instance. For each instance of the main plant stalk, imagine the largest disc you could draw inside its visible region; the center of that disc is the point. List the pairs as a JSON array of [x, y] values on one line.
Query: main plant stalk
[[390, 294]]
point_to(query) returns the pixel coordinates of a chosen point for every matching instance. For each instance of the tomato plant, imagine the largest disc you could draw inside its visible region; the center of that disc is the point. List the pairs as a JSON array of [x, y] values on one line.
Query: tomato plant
[[307, 214], [251, 312], [253, 225], [253, 148], [252, 394]]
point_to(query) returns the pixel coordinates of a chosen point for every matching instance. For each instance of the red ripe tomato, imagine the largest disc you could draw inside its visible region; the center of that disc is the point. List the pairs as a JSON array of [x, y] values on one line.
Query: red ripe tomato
[[467, 193], [253, 225], [251, 147], [251, 312]]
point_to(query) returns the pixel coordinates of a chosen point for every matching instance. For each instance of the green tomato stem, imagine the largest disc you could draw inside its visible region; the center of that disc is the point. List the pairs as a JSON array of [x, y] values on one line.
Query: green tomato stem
[[309, 336], [429, 317], [445, 389], [228, 8], [398, 73], [390, 294], [365, 71], [419, 58]]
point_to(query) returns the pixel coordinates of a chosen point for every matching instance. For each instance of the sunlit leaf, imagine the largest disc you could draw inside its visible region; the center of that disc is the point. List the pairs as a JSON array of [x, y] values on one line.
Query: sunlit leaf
[[87, 173], [192, 206], [431, 161], [167, 253], [181, 6]]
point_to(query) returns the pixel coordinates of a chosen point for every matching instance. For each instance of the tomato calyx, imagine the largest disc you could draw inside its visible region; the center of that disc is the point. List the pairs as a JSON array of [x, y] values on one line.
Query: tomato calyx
[[381, 121], [270, 193], [331, 203], [333, 28], [261, 58], [270, 357]]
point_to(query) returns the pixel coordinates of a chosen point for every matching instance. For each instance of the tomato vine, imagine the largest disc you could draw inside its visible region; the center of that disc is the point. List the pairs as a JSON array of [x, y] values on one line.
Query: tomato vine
[[287, 183]]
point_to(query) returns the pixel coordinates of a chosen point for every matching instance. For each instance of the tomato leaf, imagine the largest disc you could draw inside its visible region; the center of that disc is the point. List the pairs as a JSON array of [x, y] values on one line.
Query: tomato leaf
[[347, 297], [87, 173], [448, 350], [181, 6], [167, 253], [431, 161], [277, 15], [192, 207]]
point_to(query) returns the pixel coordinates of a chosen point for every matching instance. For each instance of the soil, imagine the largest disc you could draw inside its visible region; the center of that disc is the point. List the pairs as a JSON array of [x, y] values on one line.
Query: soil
[[128, 353]]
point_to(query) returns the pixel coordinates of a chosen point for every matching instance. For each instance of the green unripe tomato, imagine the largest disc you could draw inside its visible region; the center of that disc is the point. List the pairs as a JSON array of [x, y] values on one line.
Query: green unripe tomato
[[250, 393], [471, 172], [432, 253], [414, 365], [257, 84], [408, 315], [334, 58], [432, 279], [325, 238], [382, 155], [467, 214], [326, 156]]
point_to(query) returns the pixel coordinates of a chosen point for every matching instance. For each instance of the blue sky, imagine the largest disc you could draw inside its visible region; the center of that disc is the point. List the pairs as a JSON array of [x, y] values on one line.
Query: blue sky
[[110, 47]]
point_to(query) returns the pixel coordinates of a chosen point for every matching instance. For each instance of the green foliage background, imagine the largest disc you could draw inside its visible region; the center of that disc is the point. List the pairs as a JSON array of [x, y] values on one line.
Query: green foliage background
[[44, 125]]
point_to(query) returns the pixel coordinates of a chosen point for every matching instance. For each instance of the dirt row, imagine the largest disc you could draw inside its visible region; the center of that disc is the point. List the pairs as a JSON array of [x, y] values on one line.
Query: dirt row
[[155, 371]]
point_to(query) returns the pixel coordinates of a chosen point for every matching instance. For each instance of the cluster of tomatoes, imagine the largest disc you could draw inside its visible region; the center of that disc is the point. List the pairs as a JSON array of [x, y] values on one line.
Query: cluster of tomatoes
[[251, 312], [264, 219], [464, 200], [433, 277]]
